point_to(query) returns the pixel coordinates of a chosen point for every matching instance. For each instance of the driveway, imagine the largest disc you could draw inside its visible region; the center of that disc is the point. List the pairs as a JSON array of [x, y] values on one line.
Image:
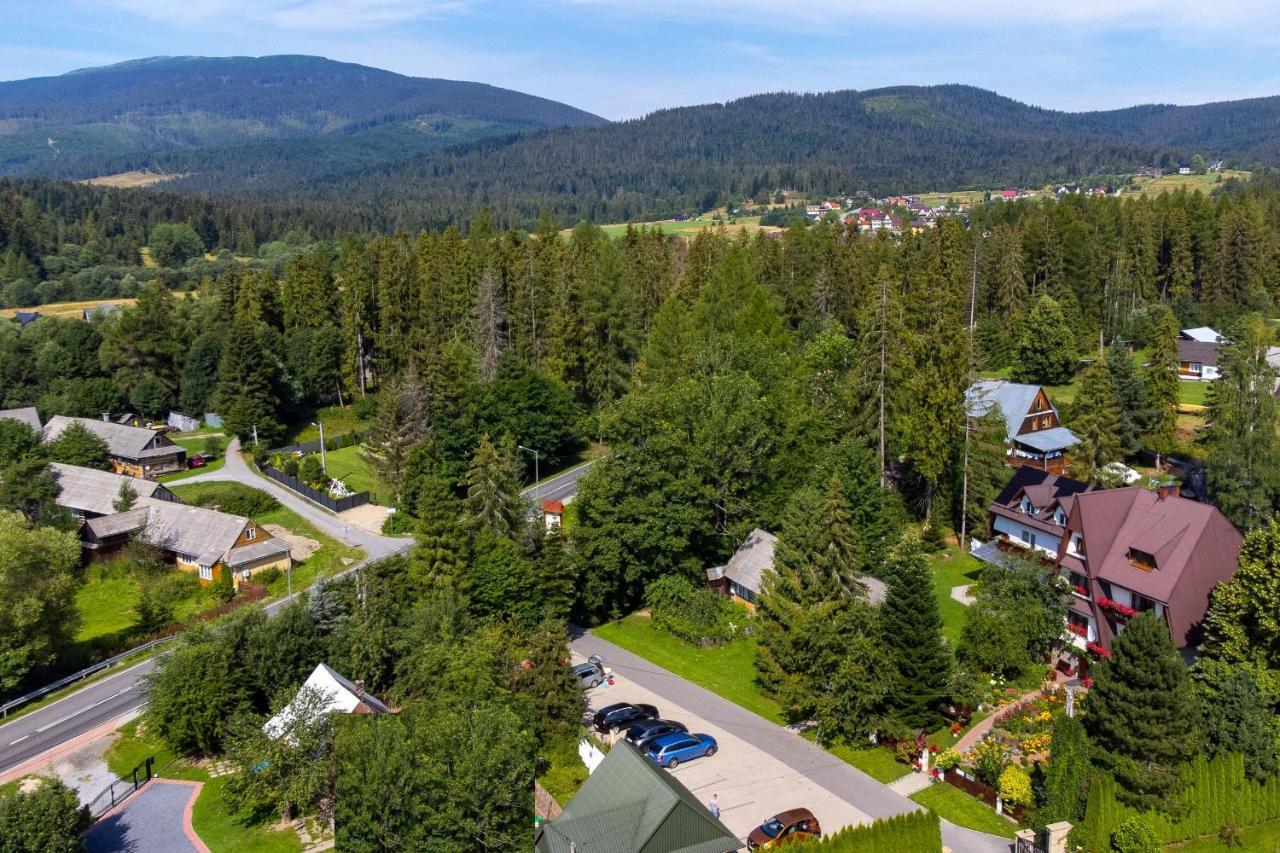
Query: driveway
[[155, 820], [761, 767]]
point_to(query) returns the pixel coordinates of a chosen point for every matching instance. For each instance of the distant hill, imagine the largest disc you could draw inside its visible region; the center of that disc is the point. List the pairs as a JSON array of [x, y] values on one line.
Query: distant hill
[[250, 112], [886, 140]]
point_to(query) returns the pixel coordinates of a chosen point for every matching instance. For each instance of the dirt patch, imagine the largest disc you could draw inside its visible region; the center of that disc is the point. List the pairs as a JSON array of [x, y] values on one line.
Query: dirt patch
[[368, 518], [302, 546], [132, 180]]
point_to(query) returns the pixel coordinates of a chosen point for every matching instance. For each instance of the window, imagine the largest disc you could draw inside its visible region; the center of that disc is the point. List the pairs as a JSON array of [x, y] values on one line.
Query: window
[[250, 533], [1196, 367], [1026, 506], [1141, 603], [1030, 536], [206, 573], [1059, 517], [1142, 560]]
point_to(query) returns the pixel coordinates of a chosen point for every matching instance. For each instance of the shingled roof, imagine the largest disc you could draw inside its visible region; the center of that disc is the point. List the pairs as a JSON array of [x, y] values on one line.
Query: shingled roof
[[88, 490], [28, 416], [203, 535], [755, 557], [628, 805], [124, 441]]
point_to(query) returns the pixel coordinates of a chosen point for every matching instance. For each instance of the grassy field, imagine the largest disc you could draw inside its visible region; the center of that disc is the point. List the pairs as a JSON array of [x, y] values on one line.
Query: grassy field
[[1172, 183], [951, 568], [347, 464], [729, 672], [211, 818], [952, 804], [132, 180], [964, 198], [688, 228], [196, 443], [65, 310], [337, 420], [1265, 838], [1194, 393]]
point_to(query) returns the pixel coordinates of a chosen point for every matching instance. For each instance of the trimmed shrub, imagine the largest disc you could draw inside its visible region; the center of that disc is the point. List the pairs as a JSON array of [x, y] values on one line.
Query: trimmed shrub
[[917, 832], [1135, 836], [1015, 786]]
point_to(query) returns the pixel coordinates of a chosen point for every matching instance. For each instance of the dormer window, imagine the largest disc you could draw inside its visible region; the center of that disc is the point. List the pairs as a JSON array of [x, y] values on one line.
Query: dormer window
[[1059, 517], [250, 533], [1142, 560], [1027, 506]]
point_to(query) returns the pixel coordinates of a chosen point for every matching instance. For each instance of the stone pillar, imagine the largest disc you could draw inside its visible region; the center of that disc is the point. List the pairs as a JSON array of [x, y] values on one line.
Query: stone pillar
[[1024, 841], [1056, 837]]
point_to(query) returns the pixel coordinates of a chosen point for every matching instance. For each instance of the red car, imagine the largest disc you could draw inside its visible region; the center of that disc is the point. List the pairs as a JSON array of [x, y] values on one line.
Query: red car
[[196, 462]]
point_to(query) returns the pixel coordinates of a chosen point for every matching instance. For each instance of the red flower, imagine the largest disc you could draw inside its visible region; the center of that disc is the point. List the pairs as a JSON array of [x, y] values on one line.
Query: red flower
[[1098, 650], [933, 747], [1088, 682]]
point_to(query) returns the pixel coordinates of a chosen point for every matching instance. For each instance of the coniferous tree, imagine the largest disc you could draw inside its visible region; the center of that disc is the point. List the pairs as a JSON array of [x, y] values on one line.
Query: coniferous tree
[[1095, 422], [490, 324], [1067, 772], [1243, 468], [1241, 625], [910, 627], [439, 556], [246, 394], [125, 498], [1161, 379], [1142, 715], [879, 364], [987, 470], [1132, 415], [1238, 718], [556, 576], [493, 494], [399, 424], [1046, 352]]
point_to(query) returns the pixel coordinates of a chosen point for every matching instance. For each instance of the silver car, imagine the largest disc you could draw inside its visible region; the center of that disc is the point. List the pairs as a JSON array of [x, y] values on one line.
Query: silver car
[[591, 673]]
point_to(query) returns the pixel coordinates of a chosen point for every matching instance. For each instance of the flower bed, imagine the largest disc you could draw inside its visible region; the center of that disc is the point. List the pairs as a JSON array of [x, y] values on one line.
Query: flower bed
[[1026, 728], [1117, 608]]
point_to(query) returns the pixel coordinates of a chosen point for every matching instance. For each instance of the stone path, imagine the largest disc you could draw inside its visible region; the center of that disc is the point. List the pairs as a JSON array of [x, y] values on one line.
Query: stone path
[[961, 594], [909, 784], [155, 820]]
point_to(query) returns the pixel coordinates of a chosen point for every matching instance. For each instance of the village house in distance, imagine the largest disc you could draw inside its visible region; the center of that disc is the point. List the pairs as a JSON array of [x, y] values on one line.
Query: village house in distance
[[1033, 431], [135, 451]]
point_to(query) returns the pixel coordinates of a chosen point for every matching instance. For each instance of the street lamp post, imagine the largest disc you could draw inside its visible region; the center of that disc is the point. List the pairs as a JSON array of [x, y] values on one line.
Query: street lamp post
[[318, 423], [536, 503]]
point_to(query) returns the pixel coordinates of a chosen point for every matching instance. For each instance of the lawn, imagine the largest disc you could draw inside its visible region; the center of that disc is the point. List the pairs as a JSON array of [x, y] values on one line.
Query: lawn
[[66, 310], [348, 465], [1194, 393], [951, 568], [950, 803], [197, 443], [1263, 837], [337, 420], [688, 228], [1206, 183], [212, 820], [729, 671], [107, 603]]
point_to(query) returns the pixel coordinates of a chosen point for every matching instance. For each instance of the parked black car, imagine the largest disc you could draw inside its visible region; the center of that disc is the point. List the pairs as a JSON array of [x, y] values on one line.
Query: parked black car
[[647, 730], [622, 715]]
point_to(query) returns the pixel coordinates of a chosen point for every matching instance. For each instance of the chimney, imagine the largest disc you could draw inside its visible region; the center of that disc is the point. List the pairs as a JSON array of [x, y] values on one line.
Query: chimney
[[360, 687], [1169, 490]]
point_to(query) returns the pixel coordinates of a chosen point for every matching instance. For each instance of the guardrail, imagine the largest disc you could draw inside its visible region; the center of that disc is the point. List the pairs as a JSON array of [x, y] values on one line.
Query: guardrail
[[82, 674]]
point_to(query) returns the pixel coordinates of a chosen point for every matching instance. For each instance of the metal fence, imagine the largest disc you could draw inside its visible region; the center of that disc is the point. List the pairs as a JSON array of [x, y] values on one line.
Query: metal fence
[[322, 498], [77, 676], [119, 789]]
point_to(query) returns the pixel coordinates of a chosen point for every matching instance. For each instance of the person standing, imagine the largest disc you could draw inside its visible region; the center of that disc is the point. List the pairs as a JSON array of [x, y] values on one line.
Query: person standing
[[714, 807]]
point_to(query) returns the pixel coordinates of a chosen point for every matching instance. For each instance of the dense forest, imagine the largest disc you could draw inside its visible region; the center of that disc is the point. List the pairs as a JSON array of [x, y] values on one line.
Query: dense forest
[[104, 120], [809, 382]]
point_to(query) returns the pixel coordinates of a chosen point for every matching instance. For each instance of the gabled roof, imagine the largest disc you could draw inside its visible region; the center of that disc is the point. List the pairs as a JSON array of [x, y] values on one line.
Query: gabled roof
[[205, 535], [28, 416], [628, 805], [1046, 492], [342, 696], [124, 441], [245, 554], [1203, 334], [752, 559], [1013, 398], [1199, 351], [1194, 544], [93, 491]]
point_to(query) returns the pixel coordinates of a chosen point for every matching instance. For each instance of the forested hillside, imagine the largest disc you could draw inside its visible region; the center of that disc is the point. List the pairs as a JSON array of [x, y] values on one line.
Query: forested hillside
[[104, 120], [885, 141]]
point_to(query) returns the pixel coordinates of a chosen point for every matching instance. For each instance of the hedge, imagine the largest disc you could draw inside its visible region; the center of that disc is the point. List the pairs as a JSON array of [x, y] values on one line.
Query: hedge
[[1217, 794], [914, 832]]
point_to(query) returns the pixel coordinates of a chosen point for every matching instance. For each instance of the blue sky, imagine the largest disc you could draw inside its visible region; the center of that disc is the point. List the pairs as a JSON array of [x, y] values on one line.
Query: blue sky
[[624, 58]]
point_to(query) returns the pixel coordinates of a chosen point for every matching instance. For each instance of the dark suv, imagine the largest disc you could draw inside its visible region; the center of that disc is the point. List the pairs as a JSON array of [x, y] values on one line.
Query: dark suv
[[648, 730], [623, 715]]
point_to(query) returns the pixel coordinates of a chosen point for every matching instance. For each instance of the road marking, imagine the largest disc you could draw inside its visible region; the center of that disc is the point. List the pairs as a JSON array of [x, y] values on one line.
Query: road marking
[[76, 693], [61, 720], [19, 740]]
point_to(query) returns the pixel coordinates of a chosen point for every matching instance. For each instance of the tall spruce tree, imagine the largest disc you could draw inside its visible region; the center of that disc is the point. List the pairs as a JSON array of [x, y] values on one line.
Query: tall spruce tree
[[1241, 626], [556, 576], [1142, 716], [1243, 468], [910, 627], [1132, 414], [1161, 377], [493, 494], [1095, 421], [986, 470], [1046, 351], [440, 554], [399, 423]]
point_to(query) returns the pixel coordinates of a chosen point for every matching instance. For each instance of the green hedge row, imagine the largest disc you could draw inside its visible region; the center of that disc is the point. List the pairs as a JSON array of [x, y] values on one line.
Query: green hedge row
[[1218, 794], [914, 832]]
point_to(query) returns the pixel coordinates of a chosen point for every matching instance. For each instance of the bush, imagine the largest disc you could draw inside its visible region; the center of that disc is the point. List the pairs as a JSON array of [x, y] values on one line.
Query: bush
[[1015, 786], [1135, 836], [267, 577], [46, 820], [237, 499], [694, 614], [918, 832], [214, 445], [988, 759], [948, 759], [398, 524]]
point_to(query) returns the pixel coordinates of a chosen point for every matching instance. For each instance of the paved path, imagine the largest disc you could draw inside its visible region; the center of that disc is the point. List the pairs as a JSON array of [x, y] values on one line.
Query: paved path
[[962, 594], [811, 761], [155, 820], [911, 783], [971, 737]]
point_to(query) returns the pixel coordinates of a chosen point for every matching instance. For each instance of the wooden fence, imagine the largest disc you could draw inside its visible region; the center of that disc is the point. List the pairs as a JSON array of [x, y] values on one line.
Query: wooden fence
[[980, 790]]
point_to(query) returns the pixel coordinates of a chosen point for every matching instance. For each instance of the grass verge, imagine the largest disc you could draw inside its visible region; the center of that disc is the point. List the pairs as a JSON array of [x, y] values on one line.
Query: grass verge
[[951, 568], [950, 803], [1263, 837]]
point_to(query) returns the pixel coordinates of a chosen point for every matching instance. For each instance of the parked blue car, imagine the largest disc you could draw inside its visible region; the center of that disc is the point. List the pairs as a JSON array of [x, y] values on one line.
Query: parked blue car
[[669, 750]]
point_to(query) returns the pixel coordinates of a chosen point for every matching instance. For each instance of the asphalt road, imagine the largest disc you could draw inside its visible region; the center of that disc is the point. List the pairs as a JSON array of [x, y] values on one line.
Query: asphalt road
[[40, 731], [805, 760]]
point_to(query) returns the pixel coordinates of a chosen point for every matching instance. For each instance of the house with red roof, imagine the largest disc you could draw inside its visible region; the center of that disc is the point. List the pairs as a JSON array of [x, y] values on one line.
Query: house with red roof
[[1121, 551]]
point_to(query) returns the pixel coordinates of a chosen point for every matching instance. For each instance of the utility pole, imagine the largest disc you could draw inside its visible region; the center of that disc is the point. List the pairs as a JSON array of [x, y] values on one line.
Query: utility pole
[[323, 466], [973, 301], [255, 436], [536, 503]]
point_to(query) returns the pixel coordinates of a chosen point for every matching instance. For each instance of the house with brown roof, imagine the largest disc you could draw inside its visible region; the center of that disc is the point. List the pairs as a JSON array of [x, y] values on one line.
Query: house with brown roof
[[1033, 431], [135, 451], [205, 542], [1198, 352], [1122, 552]]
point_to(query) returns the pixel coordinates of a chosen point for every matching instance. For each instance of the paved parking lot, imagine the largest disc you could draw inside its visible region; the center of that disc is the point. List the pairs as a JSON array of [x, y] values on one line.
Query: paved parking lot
[[750, 784]]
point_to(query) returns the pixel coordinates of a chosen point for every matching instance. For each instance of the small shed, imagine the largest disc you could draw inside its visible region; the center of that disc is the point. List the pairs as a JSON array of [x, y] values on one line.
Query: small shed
[[183, 423], [553, 514]]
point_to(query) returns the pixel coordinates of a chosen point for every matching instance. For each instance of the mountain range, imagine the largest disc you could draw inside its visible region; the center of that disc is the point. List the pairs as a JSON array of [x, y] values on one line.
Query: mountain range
[[410, 152]]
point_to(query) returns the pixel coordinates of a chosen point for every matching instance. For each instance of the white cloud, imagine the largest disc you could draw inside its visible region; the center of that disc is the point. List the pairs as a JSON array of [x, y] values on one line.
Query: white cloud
[[294, 15]]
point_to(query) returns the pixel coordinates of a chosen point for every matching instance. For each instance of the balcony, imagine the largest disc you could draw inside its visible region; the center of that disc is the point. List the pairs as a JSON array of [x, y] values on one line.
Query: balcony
[[1115, 608], [1078, 630], [1098, 650]]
